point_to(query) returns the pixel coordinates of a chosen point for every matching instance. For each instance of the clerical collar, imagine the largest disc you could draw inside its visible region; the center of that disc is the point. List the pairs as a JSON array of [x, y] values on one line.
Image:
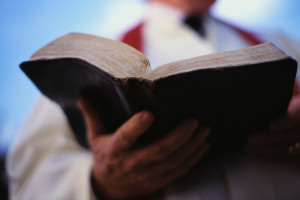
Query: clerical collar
[[195, 21]]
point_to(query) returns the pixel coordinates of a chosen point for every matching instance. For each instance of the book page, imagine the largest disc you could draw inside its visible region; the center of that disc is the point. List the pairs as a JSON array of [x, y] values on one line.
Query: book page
[[251, 55], [113, 57]]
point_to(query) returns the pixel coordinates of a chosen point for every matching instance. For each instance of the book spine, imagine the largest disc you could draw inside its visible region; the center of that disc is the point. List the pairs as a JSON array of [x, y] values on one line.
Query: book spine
[[136, 96]]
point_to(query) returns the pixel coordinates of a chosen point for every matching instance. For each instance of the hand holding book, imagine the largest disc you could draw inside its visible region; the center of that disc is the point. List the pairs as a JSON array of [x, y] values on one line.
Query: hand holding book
[[122, 171], [281, 137]]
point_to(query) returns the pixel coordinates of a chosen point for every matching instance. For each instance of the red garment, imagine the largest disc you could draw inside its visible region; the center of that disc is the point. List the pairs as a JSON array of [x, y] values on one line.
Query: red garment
[[134, 38]]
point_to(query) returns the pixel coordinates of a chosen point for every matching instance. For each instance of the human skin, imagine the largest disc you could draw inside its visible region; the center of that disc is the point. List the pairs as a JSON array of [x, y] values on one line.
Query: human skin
[[282, 133], [189, 7], [120, 171]]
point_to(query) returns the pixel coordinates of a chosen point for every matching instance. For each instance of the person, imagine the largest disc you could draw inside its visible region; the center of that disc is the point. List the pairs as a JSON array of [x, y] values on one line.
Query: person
[[46, 162]]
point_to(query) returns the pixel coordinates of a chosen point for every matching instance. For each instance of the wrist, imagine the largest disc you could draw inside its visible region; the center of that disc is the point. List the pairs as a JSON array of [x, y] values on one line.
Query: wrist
[[97, 193], [97, 190], [99, 186]]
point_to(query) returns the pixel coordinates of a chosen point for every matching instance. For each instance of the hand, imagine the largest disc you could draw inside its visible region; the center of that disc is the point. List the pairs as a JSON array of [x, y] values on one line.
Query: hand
[[283, 134], [121, 171]]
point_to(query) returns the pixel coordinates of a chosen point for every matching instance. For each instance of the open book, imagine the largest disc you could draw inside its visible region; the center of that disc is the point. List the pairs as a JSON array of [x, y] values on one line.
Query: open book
[[233, 92]]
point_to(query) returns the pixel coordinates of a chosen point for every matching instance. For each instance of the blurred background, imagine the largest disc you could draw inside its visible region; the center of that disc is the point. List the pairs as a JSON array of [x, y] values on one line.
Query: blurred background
[[28, 25]]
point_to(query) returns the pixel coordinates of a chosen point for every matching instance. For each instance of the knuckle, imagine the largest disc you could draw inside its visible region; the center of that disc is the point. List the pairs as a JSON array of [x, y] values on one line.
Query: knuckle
[[160, 152], [136, 161], [129, 167], [102, 156], [125, 137], [113, 166]]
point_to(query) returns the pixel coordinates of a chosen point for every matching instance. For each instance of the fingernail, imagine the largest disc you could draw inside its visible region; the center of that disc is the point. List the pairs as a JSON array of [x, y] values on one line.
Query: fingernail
[[147, 116]]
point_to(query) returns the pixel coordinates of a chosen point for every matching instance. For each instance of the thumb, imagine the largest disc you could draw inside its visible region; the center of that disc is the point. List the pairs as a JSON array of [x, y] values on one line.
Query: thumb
[[282, 123], [92, 119], [291, 119]]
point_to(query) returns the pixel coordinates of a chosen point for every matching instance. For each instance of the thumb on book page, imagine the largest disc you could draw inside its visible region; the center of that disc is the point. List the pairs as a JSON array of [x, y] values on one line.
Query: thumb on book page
[[291, 119], [92, 119]]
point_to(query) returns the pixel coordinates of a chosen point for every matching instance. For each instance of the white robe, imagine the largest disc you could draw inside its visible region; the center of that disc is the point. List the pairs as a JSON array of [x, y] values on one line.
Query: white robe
[[45, 162]]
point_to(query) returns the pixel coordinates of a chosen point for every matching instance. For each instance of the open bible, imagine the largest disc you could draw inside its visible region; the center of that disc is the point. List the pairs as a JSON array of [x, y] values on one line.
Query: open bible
[[234, 93]]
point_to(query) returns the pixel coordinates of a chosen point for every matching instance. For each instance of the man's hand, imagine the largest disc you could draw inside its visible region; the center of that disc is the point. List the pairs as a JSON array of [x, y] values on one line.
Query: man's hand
[[120, 171], [283, 134]]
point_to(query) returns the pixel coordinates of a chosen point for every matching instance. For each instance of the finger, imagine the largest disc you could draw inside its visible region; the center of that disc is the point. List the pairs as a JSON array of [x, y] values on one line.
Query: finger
[[186, 165], [284, 123], [128, 133], [283, 137], [168, 144], [291, 119], [159, 179], [91, 118], [196, 142], [268, 150]]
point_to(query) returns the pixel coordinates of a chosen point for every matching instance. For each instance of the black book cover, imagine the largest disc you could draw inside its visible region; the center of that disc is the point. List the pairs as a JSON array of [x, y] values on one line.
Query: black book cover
[[233, 101]]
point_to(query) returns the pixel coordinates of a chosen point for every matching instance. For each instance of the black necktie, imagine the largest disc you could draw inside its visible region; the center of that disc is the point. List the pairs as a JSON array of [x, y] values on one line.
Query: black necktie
[[195, 22]]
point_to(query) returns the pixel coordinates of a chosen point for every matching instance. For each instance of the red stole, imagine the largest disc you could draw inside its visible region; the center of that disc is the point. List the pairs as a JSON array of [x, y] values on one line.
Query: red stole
[[134, 38]]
